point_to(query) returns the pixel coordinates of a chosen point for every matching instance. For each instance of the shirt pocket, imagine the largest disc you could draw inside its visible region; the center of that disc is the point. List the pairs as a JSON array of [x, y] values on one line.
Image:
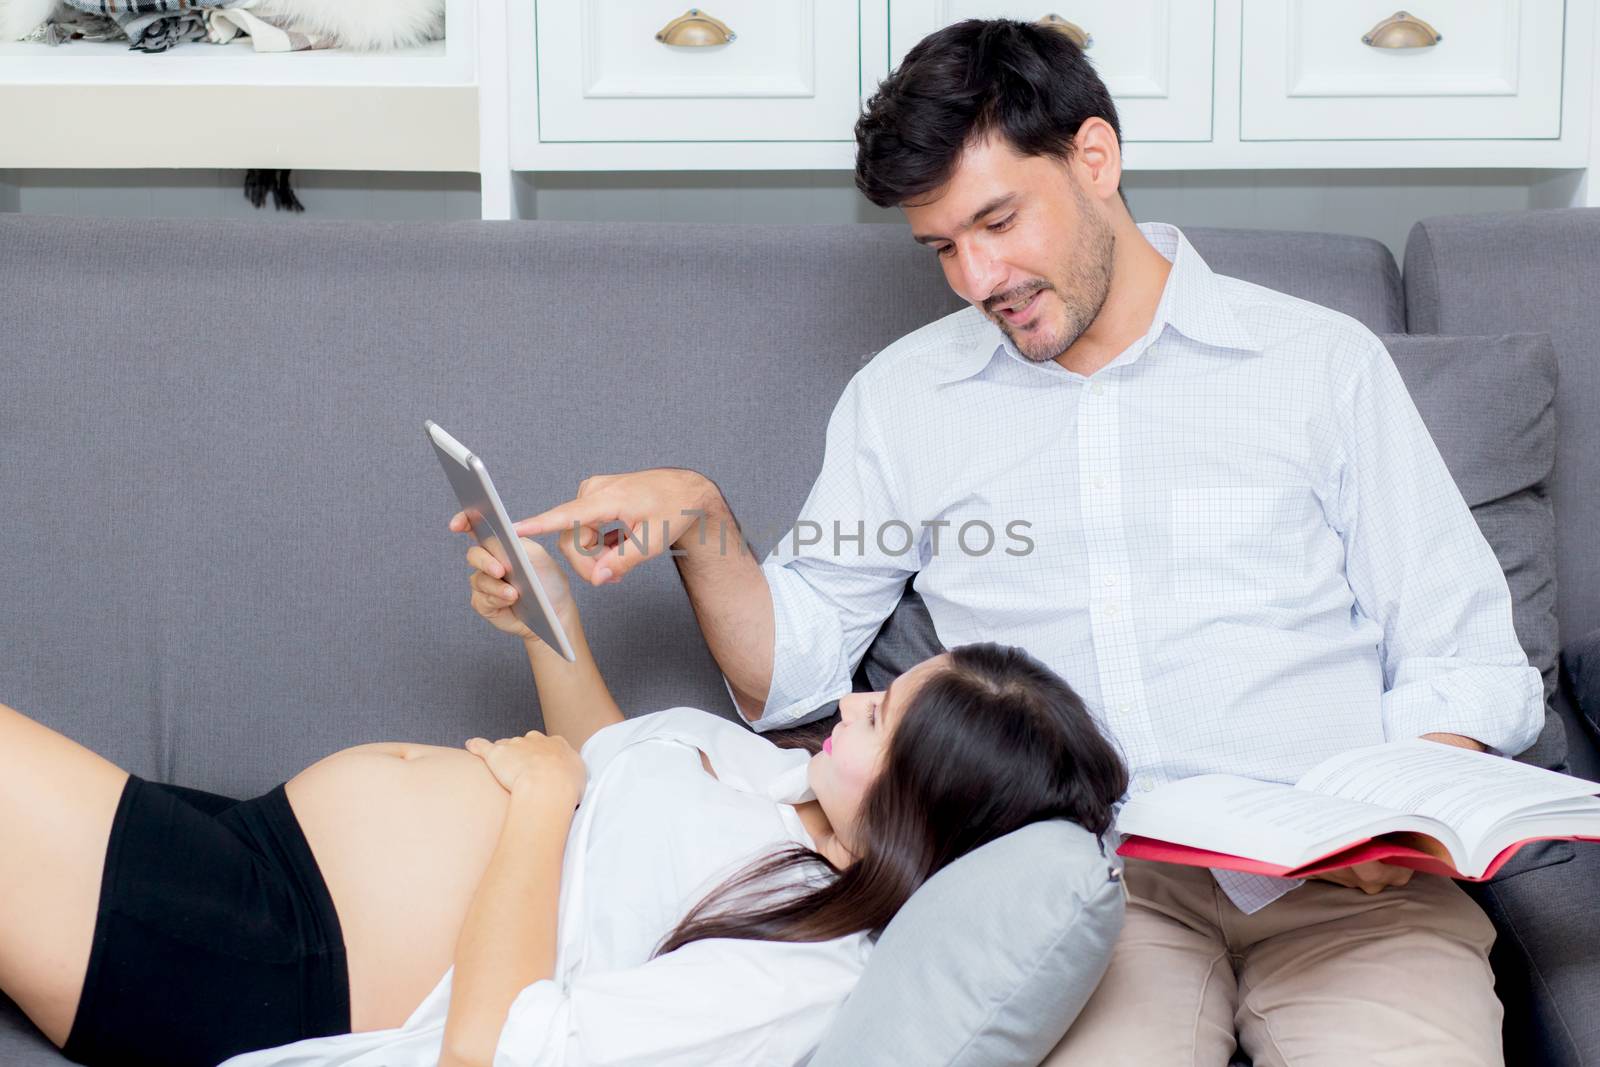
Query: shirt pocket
[[1236, 544]]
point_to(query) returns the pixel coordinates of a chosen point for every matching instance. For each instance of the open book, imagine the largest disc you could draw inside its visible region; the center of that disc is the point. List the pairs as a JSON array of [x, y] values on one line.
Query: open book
[[1421, 804]]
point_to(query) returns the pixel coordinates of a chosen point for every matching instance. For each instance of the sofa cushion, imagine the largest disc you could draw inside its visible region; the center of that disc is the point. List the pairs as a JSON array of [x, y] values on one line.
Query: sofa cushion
[[1355, 275], [1489, 403], [991, 960], [1581, 661]]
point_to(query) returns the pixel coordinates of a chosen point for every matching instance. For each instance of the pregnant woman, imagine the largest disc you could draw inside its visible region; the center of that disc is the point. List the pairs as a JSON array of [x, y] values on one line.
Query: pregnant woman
[[397, 904]]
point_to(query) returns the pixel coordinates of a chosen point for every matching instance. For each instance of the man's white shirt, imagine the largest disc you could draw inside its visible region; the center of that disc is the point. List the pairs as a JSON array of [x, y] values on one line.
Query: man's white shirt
[[1236, 541]]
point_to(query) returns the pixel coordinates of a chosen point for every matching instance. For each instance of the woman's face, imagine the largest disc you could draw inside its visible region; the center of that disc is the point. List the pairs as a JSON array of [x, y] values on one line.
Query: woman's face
[[853, 755]]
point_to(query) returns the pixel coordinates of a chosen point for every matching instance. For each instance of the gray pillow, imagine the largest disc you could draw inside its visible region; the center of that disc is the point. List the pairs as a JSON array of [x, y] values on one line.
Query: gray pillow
[[1489, 403], [991, 960]]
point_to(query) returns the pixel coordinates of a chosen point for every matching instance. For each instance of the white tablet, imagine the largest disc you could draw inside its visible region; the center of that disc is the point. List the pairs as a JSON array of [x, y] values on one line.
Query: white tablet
[[493, 527]]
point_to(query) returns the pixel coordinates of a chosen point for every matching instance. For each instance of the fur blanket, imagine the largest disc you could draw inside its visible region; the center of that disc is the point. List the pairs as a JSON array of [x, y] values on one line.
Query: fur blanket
[[358, 25]]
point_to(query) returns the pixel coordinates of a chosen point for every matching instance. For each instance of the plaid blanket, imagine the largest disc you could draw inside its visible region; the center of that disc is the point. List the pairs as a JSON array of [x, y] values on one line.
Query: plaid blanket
[[224, 26], [156, 25], [218, 26]]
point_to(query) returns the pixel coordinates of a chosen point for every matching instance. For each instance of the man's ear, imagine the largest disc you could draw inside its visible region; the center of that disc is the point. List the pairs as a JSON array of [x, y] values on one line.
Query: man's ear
[[1100, 156]]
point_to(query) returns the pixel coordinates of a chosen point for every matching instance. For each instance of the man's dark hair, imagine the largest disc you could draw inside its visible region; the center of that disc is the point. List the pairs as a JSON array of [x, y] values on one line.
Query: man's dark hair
[[1029, 83]]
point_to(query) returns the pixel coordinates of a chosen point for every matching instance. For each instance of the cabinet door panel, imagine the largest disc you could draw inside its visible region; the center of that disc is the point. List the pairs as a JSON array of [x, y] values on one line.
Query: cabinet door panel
[[1495, 71], [790, 72]]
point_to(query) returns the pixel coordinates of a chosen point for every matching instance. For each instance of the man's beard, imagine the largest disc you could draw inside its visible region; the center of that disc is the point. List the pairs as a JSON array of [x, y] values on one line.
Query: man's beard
[[1088, 277]]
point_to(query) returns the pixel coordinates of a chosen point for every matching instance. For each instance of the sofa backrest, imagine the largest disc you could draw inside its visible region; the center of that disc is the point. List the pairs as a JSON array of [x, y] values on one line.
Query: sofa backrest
[[1355, 275], [224, 530], [1531, 271], [224, 537]]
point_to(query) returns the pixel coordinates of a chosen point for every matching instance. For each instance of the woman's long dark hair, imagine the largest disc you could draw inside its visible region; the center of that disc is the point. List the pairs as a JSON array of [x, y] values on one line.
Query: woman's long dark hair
[[1021, 80], [986, 745]]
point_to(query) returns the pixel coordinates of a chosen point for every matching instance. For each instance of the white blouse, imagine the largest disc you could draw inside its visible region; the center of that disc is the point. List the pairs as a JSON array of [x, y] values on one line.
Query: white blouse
[[653, 834]]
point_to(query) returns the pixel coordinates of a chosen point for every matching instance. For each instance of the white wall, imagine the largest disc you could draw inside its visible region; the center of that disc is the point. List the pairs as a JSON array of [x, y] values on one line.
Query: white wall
[[1380, 204]]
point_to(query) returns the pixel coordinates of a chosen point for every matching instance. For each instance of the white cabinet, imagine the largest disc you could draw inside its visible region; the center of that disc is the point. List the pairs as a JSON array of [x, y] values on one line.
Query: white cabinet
[[736, 70], [1462, 70], [1198, 84], [1153, 55]]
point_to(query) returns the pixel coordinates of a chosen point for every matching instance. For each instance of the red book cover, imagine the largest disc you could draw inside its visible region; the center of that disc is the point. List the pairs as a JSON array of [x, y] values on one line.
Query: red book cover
[[1145, 848]]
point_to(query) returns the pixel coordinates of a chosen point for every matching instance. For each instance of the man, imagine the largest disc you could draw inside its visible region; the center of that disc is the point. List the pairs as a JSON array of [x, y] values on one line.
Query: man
[[1210, 506]]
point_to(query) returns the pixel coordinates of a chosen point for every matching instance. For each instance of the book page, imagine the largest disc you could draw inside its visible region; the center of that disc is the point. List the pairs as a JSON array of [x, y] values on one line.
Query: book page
[[1471, 791], [1269, 821]]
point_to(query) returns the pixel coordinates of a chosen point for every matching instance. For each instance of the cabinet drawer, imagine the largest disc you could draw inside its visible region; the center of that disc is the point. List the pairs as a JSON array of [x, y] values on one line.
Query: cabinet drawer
[[1494, 73], [1153, 55], [788, 71]]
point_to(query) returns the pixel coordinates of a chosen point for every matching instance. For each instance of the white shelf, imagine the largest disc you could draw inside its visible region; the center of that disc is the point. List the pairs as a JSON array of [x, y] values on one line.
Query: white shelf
[[414, 109], [196, 63]]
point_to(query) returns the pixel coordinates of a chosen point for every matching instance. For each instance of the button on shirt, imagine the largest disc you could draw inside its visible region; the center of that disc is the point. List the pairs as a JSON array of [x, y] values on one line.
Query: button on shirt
[[653, 835], [1237, 541]]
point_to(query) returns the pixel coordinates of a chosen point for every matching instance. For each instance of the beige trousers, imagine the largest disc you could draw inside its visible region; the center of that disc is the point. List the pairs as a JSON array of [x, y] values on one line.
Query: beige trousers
[[1324, 975]]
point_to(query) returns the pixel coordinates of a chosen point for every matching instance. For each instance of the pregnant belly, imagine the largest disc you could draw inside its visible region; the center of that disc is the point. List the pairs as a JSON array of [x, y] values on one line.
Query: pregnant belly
[[402, 833]]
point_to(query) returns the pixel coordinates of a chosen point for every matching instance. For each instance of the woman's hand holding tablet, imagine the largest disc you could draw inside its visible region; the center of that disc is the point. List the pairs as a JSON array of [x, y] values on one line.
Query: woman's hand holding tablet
[[493, 597], [532, 606]]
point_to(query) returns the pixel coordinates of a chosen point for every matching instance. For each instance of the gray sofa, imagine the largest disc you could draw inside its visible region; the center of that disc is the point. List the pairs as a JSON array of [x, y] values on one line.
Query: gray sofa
[[223, 551]]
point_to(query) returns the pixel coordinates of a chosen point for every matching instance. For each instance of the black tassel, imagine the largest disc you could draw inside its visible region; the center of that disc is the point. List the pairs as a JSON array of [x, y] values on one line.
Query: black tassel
[[258, 183], [283, 197]]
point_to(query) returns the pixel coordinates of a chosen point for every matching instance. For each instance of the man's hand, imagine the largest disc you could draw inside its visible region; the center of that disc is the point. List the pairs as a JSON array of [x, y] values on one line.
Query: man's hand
[[1377, 876], [649, 504], [1457, 740], [1373, 877]]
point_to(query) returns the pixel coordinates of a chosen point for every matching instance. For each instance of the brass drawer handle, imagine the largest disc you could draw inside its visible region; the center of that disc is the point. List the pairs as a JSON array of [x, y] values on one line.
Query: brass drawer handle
[[1080, 37], [695, 30], [1401, 30]]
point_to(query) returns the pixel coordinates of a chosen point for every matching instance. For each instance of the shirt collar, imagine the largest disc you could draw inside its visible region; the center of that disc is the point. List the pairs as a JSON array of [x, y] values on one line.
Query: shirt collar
[[792, 786], [1192, 302]]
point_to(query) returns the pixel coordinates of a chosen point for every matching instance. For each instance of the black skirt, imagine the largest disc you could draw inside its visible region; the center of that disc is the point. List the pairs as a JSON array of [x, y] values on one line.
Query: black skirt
[[215, 934]]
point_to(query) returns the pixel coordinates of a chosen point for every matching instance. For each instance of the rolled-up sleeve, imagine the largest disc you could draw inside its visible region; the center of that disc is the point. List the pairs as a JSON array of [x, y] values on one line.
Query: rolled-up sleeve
[[712, 1002], [841, 569], [1420, 567]]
